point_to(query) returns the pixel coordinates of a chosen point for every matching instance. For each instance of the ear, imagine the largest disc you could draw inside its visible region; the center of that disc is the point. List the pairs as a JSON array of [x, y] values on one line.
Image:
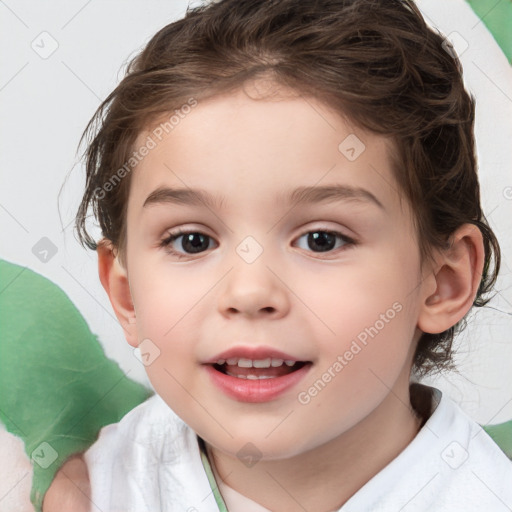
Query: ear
[[455, 281], [114, 278]]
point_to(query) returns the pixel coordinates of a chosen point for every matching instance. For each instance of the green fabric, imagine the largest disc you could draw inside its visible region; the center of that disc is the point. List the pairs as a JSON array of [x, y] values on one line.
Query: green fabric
[[211, 477], [502, 435], [57, 388], [497, 17]]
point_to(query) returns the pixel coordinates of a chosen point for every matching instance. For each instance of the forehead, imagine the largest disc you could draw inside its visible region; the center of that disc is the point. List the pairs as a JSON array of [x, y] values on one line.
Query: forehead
[[238, 146]]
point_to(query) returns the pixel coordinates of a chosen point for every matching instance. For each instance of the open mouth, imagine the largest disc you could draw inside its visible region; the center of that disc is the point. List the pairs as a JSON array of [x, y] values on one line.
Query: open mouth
[[269, 368], [267, 377]]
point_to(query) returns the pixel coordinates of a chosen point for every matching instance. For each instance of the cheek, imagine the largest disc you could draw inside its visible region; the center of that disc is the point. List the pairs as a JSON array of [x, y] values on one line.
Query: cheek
[[165, 297], [357, 368], [173, 372], [164, 310], [373, 294], [364, 325]]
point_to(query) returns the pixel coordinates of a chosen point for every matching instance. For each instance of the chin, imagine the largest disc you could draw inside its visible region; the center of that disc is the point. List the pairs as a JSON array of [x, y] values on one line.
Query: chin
[[258, 446]]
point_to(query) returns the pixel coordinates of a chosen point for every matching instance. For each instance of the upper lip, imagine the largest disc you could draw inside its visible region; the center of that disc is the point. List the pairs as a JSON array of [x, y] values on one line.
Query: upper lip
[[253, 353]]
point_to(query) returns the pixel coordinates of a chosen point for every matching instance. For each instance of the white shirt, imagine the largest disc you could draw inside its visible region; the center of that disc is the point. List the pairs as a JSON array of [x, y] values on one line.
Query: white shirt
[[150, 462]]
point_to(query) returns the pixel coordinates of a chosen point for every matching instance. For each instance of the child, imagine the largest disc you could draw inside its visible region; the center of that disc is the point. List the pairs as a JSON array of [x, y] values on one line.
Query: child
[[322, 153]]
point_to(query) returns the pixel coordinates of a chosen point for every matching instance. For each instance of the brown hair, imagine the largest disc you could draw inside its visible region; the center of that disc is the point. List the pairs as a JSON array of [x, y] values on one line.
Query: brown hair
[[375, 62]]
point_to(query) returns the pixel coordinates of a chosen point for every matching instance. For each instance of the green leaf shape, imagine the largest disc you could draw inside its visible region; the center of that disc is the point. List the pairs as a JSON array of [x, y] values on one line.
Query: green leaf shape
[[56, 384]]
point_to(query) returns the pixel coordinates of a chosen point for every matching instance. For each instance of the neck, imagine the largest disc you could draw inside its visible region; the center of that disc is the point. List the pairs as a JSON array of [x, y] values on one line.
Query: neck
[[325, 478]]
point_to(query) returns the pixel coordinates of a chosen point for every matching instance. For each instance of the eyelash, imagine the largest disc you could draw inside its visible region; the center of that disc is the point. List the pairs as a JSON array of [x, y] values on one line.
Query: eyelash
[[167, 241]]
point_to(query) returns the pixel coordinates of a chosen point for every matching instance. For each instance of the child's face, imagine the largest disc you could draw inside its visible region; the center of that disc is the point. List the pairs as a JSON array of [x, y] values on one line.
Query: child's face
[[351, 311]]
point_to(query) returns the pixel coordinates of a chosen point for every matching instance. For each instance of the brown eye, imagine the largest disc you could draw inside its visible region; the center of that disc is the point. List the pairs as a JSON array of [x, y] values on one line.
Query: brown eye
[[192, 242], [325, 241]]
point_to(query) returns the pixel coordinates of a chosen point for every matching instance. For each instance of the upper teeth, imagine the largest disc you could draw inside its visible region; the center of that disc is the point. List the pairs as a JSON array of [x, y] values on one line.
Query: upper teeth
[[256, 363]]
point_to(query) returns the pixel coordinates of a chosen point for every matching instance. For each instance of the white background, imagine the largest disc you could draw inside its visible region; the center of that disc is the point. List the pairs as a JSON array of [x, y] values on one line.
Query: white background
[[46, 103]]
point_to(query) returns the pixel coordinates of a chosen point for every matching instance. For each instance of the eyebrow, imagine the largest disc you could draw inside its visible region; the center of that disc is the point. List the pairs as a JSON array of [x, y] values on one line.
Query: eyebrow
[[299, 196]]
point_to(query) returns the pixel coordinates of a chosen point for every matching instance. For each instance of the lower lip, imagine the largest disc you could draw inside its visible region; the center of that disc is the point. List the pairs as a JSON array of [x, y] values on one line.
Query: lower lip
[[262, 390]]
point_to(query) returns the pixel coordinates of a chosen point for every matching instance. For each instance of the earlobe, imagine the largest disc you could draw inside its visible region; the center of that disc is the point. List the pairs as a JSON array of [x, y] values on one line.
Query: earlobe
[[457, 278], [114, 278]]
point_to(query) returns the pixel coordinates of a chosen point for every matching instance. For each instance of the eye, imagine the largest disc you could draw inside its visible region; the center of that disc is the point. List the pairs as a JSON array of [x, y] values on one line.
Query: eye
[[193, 242], [320, 240]]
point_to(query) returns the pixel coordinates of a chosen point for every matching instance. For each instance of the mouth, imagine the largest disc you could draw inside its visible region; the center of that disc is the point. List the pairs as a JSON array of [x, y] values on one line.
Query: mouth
[[256, 374], [258, 369]]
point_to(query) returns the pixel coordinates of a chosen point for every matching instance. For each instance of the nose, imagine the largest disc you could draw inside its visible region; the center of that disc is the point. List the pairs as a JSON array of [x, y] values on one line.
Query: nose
[[254, 290]]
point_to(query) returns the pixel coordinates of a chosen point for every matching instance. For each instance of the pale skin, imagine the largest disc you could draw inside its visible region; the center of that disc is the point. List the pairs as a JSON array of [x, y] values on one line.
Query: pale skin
[[293, 298], [70, 489]]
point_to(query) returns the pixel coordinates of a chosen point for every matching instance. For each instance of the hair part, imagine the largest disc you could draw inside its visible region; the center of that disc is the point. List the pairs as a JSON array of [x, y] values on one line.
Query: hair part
[[375, 62]]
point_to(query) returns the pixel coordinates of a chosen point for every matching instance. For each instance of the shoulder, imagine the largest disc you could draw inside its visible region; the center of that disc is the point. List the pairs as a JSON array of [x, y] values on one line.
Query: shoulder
[[123, 463], [451, 464], [149, 436], [474, 471], [150, 453], [149, 424], [487, 463]]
